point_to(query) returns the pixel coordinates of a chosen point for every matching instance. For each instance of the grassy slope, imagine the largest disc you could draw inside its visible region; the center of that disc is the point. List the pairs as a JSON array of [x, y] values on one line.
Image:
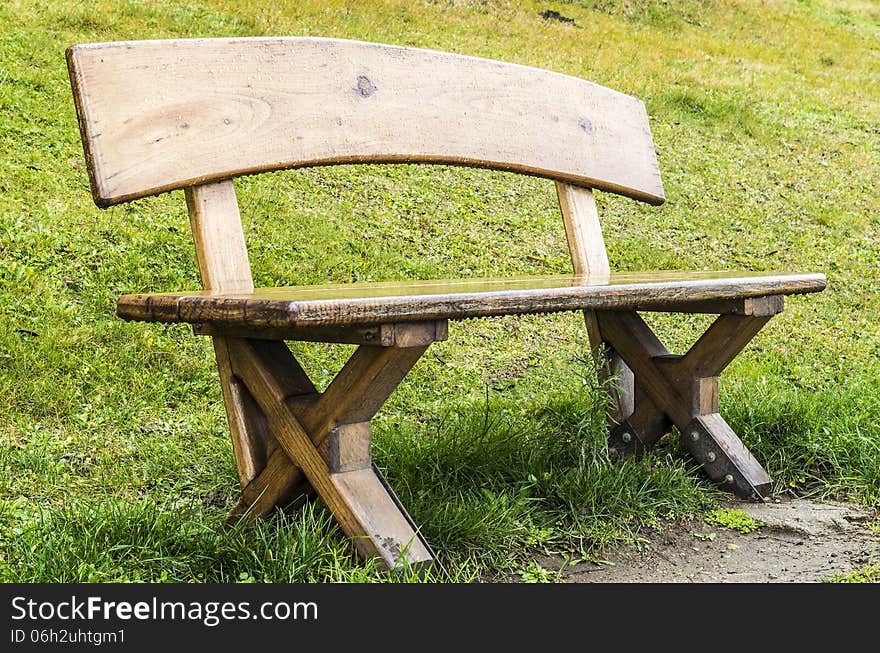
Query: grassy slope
[[114, 457]]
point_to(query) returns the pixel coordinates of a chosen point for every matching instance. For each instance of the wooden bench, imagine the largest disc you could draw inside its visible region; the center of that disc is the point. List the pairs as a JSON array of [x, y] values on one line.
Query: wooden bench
[[156, 116]]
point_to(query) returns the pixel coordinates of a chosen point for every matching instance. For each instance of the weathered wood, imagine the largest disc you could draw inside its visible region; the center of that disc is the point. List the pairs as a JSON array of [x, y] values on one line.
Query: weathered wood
[[142, 307], [363, 508], [280, 478], [280, 361], [224, 267], [383, 335], [160, 115], [704, 395], [685, 389], [637, 345], [247, 424], [768, 305], [349, 447], [361, 387], [219, 238], [353, 397], [721, 343], [373, 334], [583, 231], [375, 303], [383, 529], [586, 246], [643, 427], [724, 457]]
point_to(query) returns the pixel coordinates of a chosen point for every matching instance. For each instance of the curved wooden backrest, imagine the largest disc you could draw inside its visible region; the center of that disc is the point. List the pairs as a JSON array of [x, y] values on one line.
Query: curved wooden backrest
[[162, 115]]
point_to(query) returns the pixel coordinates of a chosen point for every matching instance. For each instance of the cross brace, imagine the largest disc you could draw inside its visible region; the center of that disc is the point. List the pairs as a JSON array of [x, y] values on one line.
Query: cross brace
[[666, 390], [308, 440]]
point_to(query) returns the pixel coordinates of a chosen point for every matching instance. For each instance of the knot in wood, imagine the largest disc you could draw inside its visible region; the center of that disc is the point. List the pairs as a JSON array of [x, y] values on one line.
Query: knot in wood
[[365, 87]]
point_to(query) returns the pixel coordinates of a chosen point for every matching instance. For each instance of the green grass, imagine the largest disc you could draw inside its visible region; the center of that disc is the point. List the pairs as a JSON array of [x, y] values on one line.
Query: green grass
[[114, 456], [734, 519], [867, 574]]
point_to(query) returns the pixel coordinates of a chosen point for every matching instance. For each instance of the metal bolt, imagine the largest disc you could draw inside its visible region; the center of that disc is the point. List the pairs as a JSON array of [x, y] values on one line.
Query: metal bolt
[[612, 452], [710, 456], [626, 437], [695, 435], [369, 335], [728, 478]]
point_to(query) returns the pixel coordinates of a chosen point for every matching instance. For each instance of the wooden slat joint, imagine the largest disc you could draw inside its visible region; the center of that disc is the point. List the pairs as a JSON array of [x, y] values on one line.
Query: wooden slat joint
[[326, 437]]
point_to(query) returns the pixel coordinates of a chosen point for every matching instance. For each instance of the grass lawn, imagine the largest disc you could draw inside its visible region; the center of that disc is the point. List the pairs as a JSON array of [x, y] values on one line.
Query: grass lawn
[[115, 462]]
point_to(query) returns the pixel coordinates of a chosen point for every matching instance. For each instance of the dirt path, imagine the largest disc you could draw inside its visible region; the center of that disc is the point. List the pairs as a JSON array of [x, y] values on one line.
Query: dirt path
[[803, 541]]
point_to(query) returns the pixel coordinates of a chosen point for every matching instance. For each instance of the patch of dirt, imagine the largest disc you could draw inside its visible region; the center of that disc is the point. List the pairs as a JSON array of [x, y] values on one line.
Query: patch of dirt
[[802, 541]]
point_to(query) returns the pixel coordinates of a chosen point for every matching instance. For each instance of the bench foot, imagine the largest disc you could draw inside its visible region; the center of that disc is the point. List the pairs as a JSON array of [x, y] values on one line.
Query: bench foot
[[669, 390], [644, 425], [321, 441], [725, 459]]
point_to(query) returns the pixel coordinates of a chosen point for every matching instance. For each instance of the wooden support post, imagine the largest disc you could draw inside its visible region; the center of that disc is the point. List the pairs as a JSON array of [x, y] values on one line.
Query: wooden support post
[[589, 257], [725, 459], [683, 390], [224, 266], [326, 438]]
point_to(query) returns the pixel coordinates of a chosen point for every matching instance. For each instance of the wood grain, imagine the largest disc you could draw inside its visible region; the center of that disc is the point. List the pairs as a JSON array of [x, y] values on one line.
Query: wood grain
[[586, 246], [374, 303], [583, 231], [224, 267], [219, 238], [354, 395], [640, 347], [363, 384], [646, 424], [160, 115], [721, 343], [685, 389], [725, 458], [363, 508]]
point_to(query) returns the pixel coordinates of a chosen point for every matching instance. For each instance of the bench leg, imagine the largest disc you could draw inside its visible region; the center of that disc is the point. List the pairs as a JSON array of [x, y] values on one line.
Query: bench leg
[[683, 391], [272, 484], [614, 374], [247, 426], [324, 439]]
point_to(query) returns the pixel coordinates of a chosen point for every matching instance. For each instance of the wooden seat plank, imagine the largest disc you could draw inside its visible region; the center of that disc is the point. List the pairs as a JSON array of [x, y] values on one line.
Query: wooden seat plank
[[376, 303]]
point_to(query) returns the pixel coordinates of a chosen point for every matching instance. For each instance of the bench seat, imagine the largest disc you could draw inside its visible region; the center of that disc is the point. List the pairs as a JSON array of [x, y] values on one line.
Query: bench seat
[[357, 304]]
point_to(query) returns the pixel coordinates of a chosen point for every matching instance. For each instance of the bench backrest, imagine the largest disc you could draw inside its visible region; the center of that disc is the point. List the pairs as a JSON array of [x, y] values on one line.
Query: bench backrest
[[162, 115], [156, 116]]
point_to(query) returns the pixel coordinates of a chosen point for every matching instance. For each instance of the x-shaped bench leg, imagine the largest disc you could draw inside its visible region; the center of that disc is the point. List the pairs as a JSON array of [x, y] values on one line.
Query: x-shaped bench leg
[[322, 441], [683, 390]]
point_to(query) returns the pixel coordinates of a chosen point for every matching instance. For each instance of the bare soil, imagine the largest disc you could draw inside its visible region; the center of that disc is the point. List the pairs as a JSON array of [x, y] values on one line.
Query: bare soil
[[802, 541]]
